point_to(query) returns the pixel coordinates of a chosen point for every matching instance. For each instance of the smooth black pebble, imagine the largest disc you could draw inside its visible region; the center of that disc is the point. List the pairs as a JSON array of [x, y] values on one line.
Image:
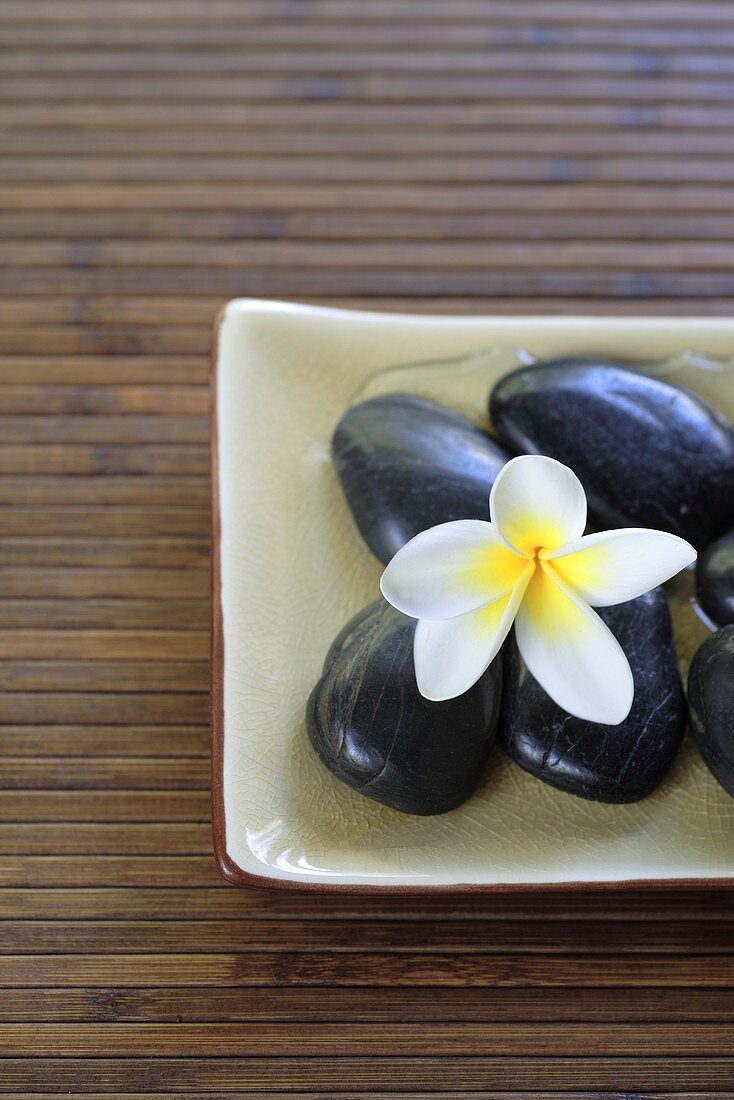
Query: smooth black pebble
[[373, 730], [711, 699], [649, 453], [715, 580], [406, 464], [622, 763]]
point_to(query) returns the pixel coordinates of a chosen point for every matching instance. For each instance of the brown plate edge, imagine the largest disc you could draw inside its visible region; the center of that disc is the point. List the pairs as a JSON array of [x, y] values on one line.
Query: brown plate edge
[[230, 870]]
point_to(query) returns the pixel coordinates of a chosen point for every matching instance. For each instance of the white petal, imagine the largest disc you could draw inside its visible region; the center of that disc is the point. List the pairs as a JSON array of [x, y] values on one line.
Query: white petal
[[451, 655], [450, 569], [536, 503], [615, 566], [573, 654]]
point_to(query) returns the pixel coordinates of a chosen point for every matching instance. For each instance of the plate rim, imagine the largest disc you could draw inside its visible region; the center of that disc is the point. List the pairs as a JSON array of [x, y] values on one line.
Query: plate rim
[[228, 868]]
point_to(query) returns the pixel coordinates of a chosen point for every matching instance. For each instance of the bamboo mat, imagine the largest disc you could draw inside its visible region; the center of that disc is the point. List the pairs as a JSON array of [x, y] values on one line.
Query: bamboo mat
[[157, 158]]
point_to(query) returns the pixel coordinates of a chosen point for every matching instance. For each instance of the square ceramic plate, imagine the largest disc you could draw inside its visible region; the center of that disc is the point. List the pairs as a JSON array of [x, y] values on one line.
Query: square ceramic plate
[[290, 569]]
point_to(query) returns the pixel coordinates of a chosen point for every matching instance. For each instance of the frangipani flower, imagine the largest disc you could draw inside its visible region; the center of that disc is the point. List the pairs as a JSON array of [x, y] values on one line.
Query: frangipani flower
[[467, 582]]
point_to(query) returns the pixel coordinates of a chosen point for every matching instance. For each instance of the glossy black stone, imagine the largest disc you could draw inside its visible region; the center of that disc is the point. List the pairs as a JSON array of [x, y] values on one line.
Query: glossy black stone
[[407, 464], [649, 454], [622, 763], [371, 727], [715, 580], [711, 699]]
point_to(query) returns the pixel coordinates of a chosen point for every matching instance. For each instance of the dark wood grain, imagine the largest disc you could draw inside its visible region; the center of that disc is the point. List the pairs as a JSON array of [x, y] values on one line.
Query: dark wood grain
[[156, 158], [402, 1076]]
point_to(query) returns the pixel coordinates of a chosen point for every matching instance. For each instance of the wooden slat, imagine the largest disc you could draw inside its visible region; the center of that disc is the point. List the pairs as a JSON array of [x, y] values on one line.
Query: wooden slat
[[314, 1040], [116, 741], [115, 676], [116, 522], [104, 553], [97, 645], [32, 871], [118, 460], [69, 707], [528, 170], [145, 310], [344, 1005], [479, 283], [330, 143], [104, 805], [128, 773], [118, 341], [495, 937], [289, 254], [338, 34], [293, 1073], [467, 196], [80, 367], [213, 227], [103, 400], [231, 11], [492, 1094], [121, 613], [74, 838], [490, 168], [201, 61], [362, 969], [124, 444], [108, 492], [379, 88], [201, 902], [341, 113], [38, 582]]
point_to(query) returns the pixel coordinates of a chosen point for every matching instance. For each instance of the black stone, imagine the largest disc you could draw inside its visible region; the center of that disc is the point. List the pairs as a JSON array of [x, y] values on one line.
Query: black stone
[[621, 763], [711, 699], [649, 453], [715, 580], [407, 464], [372, 728]]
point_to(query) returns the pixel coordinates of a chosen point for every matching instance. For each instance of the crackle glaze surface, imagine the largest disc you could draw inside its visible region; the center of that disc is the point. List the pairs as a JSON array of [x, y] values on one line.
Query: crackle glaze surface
[[294, 569]]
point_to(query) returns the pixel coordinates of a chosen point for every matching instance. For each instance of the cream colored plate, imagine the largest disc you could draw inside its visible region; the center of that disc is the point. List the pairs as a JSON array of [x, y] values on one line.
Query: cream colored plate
[[294, 569]]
